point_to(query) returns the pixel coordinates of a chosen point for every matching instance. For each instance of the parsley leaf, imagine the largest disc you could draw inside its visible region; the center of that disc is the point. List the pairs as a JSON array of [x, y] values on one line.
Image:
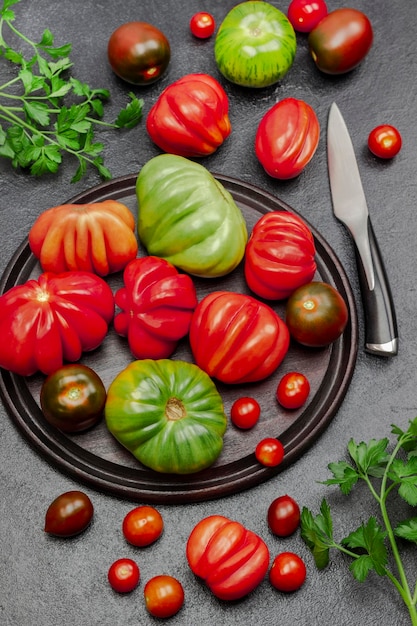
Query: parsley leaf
[[44, 114]]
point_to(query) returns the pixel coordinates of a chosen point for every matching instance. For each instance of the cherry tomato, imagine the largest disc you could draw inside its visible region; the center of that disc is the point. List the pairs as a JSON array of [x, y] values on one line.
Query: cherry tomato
[[288, 572], [304, 15], [124, 575], [283, 516], [316, 314], [69, 514], [340, 41], [73, 398], [293, 390], [164, 596], [142, 526], [202, 25], [245, 412], [138, 52], [269, 452], [384, 141]]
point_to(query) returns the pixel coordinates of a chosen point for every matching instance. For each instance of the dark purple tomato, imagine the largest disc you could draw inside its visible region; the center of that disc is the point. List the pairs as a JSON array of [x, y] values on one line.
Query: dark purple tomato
[[138, 52], [73, 398], [340, 41], [69, 514]]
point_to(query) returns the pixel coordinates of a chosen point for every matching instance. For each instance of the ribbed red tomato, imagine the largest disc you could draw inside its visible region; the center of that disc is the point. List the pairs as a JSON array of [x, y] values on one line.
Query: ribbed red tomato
[[279, 256]]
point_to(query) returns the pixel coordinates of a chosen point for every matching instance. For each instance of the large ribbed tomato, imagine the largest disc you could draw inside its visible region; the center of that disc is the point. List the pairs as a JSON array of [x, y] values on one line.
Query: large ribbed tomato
[[280, 255], [236, 338]]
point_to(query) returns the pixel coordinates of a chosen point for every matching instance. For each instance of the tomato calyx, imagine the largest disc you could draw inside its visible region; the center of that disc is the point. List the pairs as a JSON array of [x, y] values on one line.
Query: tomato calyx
[[175, 410]]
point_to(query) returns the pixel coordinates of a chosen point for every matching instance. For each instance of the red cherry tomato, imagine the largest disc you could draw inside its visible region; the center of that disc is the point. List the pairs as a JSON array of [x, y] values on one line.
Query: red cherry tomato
[[304, 15], [123, 575], [293, 390], [384, 141], [142, 526], [202, 25], [288, 572], [164, 596], [269, 452], [69, 514], [245, 412], [283, 516]]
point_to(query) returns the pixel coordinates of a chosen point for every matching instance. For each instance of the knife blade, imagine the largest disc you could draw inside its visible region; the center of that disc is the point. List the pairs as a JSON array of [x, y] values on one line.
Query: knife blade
[[350, 207]]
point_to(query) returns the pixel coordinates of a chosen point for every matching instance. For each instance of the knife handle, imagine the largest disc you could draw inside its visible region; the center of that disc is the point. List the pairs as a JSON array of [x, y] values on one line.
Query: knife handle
[[381, 334]]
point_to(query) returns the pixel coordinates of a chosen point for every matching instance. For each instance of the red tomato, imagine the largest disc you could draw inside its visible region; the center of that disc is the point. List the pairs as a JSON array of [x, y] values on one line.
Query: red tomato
[[190, 117], [340, 41], [384, 141], [293, 390], [138, 52], [69, 514], [164, 596], [269, 452], [316, 314], [156, 305], [236, 338], [97, 237], [142, 526], [279, 256], [124, 575], [288, 572], [287, 138], [53, 319], [283, 516], [229, 558], [73, 398], [304, 15], [245, 412], [202, 25]]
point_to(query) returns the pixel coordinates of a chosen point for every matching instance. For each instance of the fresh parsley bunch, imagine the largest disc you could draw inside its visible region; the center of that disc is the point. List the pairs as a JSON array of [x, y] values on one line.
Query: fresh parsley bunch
[[374, 544], [36, 127]]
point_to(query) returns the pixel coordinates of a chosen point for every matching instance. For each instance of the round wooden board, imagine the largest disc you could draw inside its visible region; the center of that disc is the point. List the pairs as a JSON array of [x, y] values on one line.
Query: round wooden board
[[96, 459]]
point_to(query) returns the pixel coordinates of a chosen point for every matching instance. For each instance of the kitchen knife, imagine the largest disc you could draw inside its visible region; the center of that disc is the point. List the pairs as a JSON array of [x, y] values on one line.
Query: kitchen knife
[[349, 205]]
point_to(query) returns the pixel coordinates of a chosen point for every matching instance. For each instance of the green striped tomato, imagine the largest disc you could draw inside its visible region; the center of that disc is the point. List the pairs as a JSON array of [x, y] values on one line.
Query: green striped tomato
[[255, 45]]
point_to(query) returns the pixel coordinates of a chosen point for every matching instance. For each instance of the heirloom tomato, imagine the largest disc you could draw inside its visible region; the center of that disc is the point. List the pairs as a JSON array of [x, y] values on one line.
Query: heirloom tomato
[[168, 414], [384, 141], [236, 338], [245, 412], [164, 596], [287, 138], [231, 559], [202, 25], [124, 575], [340, 41], [283, 516], [190, 117], [142, 526], [304, 15], [138, 52], [316, 314], [269, 452], [280, 255], [53, 319], [288, 572], [69, 514], [255, 45], [293, 390], [156, 307], [188, 217], [96, 237], [73, 397]]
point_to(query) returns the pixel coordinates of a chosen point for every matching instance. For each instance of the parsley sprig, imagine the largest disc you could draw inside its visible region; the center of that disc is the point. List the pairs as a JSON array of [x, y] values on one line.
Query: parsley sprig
[[45, 112], [373, 545]]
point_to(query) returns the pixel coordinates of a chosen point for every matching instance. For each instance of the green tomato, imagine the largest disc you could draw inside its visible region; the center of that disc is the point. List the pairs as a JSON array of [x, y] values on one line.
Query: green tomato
[[255, 45], [188, 218], [168, 414]]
